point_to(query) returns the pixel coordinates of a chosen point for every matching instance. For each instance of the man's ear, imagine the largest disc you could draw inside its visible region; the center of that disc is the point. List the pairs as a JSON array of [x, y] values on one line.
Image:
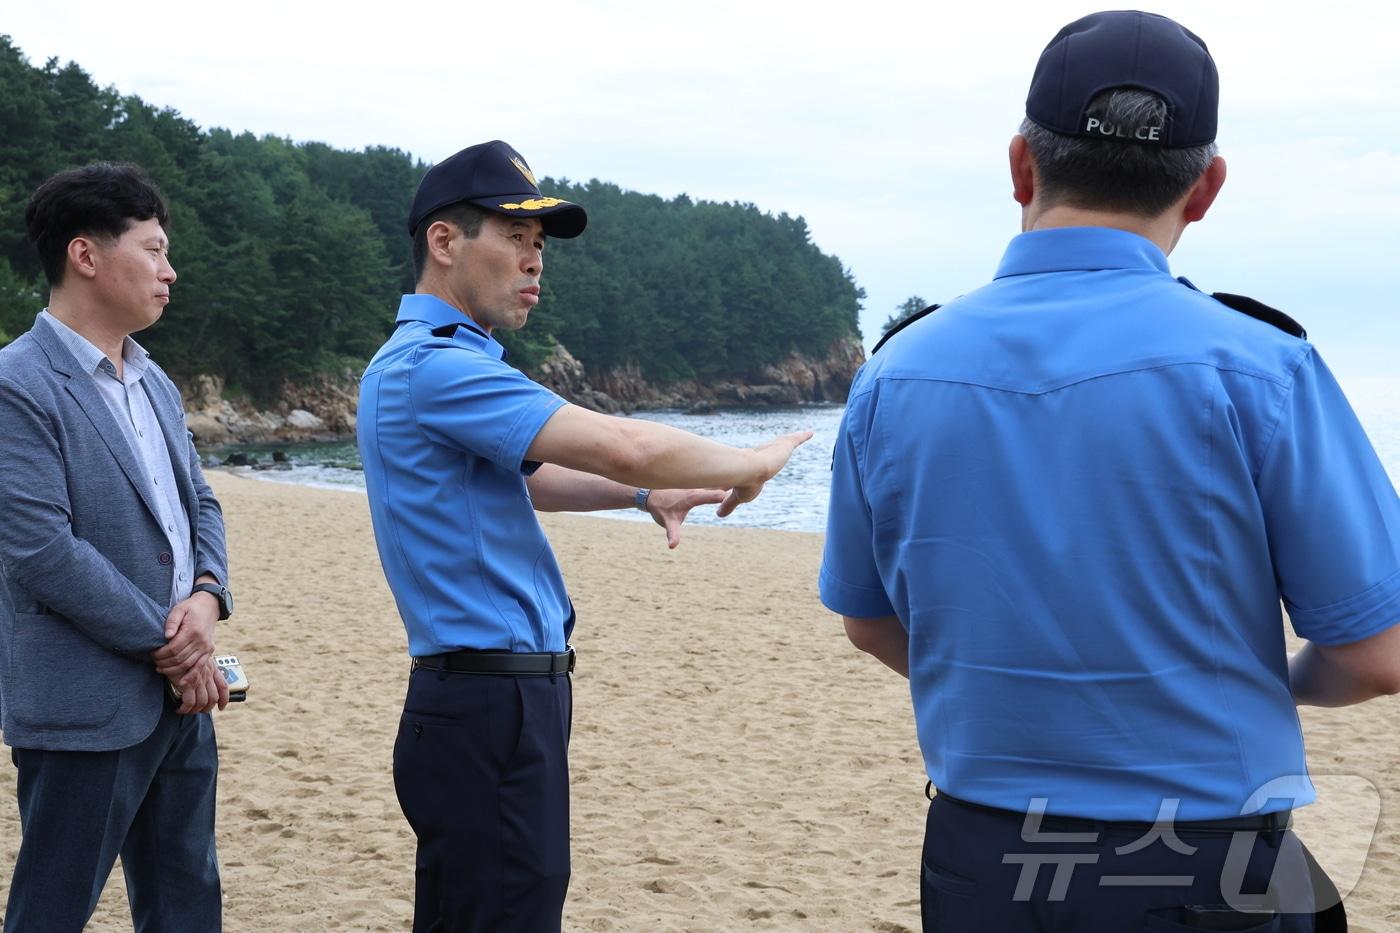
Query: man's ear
[[1022, 170], [1202, 194], [82, 259], [439, 240]]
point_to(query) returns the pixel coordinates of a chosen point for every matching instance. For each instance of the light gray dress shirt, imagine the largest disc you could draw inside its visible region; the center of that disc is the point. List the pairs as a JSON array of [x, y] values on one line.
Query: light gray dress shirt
[[131, 407]]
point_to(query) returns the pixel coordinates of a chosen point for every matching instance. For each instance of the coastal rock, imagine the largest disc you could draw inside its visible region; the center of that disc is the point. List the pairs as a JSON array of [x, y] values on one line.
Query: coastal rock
[[303, 420], [324, 407], [793, 381], [331, 397], [564, 374], [207, 429], [823, 380], [628, 386]]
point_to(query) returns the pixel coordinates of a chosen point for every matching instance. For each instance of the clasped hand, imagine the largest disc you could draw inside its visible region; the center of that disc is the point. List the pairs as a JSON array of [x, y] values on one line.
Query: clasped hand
[[187, 659]]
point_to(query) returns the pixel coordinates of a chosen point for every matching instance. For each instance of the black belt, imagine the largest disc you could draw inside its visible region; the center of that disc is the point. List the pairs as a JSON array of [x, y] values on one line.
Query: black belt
[[498, 662], [1275, 822]]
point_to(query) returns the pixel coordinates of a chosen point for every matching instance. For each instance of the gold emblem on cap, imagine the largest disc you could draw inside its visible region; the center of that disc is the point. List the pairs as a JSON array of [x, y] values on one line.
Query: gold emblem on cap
[[534, 204], [524, 170]]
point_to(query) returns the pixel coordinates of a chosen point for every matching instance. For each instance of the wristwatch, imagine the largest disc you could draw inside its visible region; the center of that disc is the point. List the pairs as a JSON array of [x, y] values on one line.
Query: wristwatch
[[641, 500], [220, 593]]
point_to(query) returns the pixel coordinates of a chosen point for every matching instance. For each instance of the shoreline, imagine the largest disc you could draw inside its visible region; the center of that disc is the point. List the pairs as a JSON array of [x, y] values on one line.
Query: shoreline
[[609, 515]]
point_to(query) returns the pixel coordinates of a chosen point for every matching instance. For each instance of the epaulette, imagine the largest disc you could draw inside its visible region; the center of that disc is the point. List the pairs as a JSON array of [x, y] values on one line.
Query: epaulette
[[903, 324], [449, 330], [1261, 312]]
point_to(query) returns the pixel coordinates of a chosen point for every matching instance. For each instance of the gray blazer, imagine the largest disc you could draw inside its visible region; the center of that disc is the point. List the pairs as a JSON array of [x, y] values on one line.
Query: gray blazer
[[85, 571]]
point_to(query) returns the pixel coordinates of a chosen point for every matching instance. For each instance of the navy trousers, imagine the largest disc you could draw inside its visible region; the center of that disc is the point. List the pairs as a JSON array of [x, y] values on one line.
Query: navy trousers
[[989, 871], [482, 774], [153, 803]]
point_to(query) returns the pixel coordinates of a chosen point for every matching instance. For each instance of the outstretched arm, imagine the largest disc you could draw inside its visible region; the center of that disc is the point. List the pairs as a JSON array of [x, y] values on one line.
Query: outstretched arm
[[642, 453], [554, 488], [558, 489]]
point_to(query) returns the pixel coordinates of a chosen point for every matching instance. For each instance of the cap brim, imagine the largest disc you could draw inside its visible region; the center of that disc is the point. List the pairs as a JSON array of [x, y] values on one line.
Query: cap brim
[[561, 219]]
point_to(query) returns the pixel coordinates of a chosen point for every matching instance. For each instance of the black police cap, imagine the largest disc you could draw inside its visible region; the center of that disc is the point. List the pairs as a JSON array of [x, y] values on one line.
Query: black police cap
[[1126, 49], [495, 177]]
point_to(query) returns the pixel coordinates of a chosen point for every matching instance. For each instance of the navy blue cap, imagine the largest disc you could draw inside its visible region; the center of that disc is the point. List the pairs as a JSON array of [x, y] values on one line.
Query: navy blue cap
[[1126, 49], [495, 177]]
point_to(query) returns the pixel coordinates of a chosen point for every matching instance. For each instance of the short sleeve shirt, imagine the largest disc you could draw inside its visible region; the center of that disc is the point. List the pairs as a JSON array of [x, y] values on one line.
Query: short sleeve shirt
[[443, 428], [1084, 490]]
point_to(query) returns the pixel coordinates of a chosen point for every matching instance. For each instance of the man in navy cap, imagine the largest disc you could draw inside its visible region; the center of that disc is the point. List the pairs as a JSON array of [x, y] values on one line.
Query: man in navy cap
[[1067, 505], [460, 450]]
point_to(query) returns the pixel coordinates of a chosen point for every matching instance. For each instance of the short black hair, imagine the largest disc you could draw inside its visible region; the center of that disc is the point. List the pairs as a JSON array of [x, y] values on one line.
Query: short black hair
[[466, 217], [1113, 174], [100, 200]]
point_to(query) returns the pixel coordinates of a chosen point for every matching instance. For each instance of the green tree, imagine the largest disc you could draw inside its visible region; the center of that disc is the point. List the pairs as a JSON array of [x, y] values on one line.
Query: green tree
[[290, 255], [911, 306], [20, 300]]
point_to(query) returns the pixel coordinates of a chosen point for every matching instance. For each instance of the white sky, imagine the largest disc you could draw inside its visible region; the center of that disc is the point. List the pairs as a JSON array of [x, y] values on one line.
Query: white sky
[[884, 124]]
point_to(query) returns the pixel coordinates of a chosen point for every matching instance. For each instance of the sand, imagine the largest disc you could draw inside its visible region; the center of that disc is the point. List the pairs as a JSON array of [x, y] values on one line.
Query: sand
[[736, 764]]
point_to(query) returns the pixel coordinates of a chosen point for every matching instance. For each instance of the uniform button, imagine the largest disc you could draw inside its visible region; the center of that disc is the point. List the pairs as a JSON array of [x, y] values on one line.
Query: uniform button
[[170, 528], [165, 557]]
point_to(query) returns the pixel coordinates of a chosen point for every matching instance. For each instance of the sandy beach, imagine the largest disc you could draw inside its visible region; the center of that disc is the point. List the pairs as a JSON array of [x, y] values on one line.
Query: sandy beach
[[736, 764]]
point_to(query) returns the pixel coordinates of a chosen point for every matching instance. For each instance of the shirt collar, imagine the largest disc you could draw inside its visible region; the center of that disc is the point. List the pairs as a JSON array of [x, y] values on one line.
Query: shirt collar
[[1081, 249], [436, 313], [134, 356]]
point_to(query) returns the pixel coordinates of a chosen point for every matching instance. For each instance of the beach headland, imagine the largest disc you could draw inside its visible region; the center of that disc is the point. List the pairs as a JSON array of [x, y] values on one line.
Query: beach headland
[[736, 764]]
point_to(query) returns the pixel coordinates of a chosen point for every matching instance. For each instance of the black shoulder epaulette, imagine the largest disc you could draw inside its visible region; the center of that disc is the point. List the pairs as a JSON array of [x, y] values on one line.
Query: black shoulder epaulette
[[1261, 312], [448, 330], [903, 324]]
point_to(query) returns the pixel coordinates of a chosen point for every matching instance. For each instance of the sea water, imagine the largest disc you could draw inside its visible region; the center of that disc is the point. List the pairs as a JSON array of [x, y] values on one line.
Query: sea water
[[796, 499], [793, 501]]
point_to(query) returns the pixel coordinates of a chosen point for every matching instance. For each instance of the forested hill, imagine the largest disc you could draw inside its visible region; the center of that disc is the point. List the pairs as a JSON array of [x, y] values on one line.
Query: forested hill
[[291, 256]]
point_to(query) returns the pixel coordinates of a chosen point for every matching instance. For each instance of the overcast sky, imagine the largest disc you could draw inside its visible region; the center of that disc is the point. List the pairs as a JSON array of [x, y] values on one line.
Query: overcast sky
[[884, 124]]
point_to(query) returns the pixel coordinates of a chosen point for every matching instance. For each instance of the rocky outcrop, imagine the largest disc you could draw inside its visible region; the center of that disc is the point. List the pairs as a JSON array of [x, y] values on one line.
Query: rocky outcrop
[[323, 408], [792, 381], [564, 374]]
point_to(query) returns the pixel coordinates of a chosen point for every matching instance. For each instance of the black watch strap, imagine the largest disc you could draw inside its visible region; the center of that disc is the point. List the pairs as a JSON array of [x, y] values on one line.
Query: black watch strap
[[220, 593]]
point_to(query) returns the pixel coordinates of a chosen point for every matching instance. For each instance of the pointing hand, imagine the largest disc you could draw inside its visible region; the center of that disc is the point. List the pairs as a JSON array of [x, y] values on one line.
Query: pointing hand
[[773, 456]]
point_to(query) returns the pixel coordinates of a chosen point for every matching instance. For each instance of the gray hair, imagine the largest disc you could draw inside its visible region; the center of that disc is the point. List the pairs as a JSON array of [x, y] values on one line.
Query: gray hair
[[1116, 173]]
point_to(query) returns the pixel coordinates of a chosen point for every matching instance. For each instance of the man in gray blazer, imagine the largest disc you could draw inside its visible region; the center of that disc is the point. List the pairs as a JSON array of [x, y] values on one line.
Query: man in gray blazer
[[112, 577]]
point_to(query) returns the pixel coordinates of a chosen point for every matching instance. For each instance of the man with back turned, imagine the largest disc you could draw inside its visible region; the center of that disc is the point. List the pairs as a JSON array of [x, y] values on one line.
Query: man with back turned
[[1067, 506], [460, 451]]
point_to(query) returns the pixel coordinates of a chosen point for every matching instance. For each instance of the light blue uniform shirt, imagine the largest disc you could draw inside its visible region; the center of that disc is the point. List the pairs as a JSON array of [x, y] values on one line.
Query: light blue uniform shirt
[[126, 397], [443, 426], [1083, 489]]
